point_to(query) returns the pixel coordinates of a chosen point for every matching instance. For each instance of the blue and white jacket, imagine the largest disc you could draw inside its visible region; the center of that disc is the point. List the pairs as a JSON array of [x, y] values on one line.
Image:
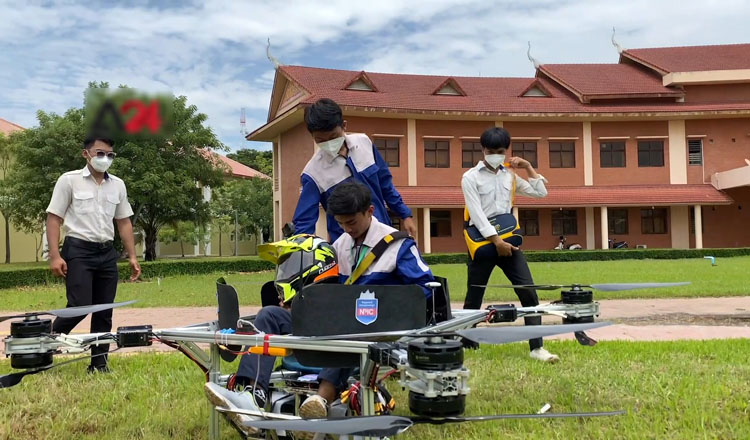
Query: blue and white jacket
[[322, 173], [400, 264]]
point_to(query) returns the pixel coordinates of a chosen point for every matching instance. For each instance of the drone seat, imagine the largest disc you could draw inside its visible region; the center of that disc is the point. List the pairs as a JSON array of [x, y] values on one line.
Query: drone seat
[[337, 309], [291, 363]]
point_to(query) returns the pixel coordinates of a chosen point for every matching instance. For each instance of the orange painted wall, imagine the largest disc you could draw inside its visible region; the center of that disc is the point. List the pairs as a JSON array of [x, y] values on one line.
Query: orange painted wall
[[726, 145], [445, 176], [454, 243], [631, 174], [296, 149], [555, 176], [727, 226], [370, 126], [718, 93]]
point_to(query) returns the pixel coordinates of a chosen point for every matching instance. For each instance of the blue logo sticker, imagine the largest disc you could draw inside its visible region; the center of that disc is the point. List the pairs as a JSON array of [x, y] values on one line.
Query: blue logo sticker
[[366, 310]]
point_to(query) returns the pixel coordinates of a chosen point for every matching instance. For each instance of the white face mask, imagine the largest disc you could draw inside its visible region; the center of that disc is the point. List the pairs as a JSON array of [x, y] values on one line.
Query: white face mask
[[333, 146], [494, 160], [100, 164]]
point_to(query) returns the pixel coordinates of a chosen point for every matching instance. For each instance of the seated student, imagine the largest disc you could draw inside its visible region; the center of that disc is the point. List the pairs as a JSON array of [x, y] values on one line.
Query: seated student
[[306, 259], [400, 264]]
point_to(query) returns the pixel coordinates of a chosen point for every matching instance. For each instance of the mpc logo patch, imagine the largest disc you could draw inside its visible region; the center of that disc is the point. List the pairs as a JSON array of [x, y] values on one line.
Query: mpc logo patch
[[366, 310]]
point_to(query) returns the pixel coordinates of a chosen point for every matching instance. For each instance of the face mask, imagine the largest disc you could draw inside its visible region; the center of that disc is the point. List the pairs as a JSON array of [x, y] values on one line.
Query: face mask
[[100, 164], [494, 160], [333, 146]]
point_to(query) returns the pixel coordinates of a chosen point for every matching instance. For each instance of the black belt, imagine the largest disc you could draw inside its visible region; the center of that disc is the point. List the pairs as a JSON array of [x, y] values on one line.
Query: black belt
[[89, 244]]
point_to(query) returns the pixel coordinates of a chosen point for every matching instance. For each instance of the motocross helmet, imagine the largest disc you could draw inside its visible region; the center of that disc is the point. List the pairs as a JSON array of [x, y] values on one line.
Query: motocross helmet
[[300, 260]]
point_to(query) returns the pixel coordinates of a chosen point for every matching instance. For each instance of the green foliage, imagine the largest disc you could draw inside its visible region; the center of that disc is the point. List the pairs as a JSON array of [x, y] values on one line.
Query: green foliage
[[249, 201], [182, 232], [258, 160]]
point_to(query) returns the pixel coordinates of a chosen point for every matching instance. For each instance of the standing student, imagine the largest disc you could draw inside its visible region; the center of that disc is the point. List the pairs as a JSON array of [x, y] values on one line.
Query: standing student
[[342, 157], [85, 202], [488, 190]]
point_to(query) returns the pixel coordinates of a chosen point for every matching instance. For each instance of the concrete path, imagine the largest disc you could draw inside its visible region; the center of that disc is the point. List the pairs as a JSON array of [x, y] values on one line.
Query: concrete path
[[637, 319]]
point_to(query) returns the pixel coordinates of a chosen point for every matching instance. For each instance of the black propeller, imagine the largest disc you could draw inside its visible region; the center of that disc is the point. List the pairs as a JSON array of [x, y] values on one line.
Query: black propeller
[[484, 335], [70, 311], [383, 426], [9, 380], [606, 287]]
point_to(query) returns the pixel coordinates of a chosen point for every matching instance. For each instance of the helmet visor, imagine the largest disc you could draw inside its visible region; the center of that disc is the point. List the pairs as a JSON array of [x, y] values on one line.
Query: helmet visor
[[292, 265]]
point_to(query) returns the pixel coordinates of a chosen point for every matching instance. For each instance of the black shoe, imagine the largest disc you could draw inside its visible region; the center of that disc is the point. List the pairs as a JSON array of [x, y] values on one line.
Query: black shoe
[[97, 369]]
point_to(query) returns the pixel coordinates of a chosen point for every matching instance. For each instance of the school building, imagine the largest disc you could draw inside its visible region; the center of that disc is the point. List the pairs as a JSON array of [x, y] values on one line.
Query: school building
[[652, 149]]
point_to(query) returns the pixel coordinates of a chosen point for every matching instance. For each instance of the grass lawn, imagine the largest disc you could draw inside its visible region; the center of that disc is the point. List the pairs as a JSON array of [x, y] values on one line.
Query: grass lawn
[[671, 390], [728, 278]]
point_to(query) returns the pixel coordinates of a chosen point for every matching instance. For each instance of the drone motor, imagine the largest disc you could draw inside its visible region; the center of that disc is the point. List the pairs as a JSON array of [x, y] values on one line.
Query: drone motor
[[577, 296], [30, 330]]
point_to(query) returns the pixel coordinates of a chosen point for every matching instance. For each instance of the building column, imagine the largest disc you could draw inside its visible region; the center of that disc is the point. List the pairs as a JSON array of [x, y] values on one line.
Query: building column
[[680, 227], [590, 233], [677, 152], [588, 154], [605, 227], [277, 218], [697, 215], [411, 151], [426, 228], [515, 212]]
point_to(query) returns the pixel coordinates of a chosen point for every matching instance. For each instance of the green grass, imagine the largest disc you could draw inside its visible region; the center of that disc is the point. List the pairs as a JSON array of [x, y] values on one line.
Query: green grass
[[728, 278], [671, 390]]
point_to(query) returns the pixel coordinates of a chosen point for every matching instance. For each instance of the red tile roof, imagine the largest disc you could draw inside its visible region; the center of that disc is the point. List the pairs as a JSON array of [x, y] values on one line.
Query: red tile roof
[[694, 58], [610, 80], [8, 127], [241, 170], [485, 96], [570, 196]]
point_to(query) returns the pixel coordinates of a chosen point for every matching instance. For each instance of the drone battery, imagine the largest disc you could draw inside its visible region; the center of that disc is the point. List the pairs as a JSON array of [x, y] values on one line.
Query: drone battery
[[135, 336], [504, 313]]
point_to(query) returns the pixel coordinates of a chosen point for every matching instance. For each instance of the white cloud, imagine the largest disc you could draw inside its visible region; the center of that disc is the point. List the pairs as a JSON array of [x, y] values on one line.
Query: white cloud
[[214, 52]]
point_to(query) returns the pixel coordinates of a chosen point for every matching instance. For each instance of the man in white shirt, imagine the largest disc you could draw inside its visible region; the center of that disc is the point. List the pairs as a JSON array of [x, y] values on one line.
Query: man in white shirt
[[488, 190], [85, 202]]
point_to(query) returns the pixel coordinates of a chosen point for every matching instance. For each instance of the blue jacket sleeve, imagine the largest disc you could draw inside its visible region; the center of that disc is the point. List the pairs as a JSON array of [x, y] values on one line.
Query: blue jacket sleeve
[[411, 267], [306, 213], [390, 195]]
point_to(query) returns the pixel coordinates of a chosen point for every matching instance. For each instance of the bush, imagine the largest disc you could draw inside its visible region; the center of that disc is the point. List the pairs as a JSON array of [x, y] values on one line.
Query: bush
[[150, 269]]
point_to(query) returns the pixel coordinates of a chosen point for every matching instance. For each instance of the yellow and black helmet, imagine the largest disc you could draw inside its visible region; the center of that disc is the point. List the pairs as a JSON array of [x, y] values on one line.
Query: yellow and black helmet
[[300, 260]]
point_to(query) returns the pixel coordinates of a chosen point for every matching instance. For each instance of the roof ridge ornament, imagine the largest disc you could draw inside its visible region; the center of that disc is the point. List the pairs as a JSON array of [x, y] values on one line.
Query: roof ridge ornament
[[276, 63], [532, 59], [614, 43]]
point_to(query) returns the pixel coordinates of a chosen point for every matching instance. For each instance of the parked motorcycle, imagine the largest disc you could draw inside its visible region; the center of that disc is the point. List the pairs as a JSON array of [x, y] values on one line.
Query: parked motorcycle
[[614, 244], [563, 246]]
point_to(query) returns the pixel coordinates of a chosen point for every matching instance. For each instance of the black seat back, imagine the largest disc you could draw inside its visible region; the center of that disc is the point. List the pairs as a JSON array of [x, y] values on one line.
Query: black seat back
[[442, 301], [336, 309], [229, 313]]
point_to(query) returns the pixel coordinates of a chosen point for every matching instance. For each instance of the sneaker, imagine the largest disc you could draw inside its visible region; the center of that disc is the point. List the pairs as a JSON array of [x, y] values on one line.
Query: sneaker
[[541, 354], [314, 407], [224, 398]]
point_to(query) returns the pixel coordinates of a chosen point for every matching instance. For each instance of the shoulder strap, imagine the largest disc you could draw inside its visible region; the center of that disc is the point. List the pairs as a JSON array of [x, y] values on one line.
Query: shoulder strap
[[375, 253]]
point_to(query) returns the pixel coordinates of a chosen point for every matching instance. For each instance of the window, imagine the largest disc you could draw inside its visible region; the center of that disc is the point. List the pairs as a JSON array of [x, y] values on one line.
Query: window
[[395, 220], [437, 154], [695, 151], [612, 155], [618, 221], [440, 223], [471, 154], [692, 222], [565, 222], [389, 149], [525, 150], [528, 220], [650, 153], [654, 221], [562, 155]]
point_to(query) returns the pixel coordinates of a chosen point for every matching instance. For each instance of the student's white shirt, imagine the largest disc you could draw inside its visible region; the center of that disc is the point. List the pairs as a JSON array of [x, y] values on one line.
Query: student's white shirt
[[88, 208], [488, 194]]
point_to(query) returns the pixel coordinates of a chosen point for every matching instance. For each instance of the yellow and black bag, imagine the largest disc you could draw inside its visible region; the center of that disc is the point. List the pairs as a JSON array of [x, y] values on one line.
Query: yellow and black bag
[[506, 226]]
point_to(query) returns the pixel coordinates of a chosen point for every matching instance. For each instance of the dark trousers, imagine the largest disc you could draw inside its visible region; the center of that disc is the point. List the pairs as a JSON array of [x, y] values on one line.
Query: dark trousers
[[274, 320], [515, 268], [91, 279]]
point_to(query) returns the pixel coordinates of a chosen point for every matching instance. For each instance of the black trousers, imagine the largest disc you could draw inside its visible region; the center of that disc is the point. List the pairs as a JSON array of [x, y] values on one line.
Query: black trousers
[[91, 279], [515, 268]]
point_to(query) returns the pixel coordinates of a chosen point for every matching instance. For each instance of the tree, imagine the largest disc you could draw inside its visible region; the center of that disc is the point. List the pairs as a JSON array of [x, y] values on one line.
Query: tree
[[258, 160], [250, 201], [222, 211], [182, 232], [164, 176], [7, 198]]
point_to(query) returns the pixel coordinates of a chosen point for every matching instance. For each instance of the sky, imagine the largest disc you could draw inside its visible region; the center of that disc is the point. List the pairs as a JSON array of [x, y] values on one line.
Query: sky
[[214, 52]]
